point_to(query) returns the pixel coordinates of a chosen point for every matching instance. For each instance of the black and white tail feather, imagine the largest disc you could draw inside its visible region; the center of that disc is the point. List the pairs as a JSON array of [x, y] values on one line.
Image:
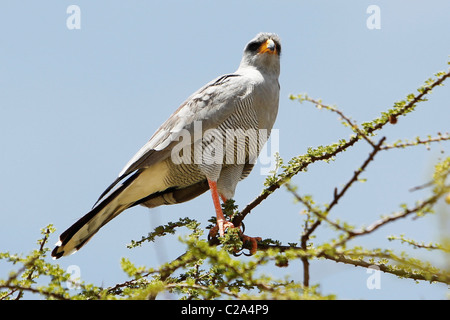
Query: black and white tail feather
[[114, 201]]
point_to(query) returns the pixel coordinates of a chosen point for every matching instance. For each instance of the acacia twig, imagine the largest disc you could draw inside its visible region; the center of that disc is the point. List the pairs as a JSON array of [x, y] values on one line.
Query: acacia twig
[[338, 195]]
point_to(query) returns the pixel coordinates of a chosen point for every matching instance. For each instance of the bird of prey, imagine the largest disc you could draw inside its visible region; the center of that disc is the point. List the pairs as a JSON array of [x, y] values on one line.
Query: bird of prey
[[185, 156]]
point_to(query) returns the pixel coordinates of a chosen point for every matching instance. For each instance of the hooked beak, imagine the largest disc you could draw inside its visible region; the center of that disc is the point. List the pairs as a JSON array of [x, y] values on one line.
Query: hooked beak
[[268, 47]]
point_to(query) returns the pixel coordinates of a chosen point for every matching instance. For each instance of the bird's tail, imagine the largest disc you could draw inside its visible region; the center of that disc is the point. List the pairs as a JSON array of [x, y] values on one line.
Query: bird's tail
[[82, 231], [145, 187]]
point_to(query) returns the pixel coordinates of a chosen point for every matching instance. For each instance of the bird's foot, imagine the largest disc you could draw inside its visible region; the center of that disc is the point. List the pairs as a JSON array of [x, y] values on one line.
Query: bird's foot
[[253, 243], [220, 228], [250, 243]]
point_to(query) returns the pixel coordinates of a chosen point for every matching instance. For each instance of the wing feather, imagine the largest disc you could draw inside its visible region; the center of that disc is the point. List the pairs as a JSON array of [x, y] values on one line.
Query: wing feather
[[211, 105]]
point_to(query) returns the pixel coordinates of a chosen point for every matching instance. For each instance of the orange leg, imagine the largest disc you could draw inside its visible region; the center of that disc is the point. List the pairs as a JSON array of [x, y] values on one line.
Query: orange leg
[[222, 223]]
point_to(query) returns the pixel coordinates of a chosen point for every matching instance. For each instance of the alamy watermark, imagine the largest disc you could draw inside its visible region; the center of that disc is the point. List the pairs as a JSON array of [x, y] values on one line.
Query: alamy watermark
[[73, 22], [374, 280], [225, 146], [74, 282], [374, 20]]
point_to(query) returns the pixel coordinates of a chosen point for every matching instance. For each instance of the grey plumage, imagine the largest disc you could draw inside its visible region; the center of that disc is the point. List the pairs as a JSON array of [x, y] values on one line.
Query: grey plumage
[[241, 102]]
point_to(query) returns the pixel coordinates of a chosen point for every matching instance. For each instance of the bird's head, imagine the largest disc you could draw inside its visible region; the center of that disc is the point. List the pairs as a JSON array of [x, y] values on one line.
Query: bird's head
[[263, 52]]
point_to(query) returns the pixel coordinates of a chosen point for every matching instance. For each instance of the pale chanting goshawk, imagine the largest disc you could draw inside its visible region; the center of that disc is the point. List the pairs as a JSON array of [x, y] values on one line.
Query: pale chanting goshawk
[[242, 101]]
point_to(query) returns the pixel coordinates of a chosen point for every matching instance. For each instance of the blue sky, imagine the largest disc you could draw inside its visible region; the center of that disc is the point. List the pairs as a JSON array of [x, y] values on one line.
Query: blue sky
[[75, 105]]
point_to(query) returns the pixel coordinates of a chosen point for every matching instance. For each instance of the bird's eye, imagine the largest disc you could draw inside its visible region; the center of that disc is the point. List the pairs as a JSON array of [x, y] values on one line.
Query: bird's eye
[[278, 47], [253, 46]]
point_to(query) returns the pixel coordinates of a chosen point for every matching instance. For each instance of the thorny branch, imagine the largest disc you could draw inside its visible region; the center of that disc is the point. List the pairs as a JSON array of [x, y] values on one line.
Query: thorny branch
[[399, 145], [338, 195], [27, 265], [323, 216], [348, 257]]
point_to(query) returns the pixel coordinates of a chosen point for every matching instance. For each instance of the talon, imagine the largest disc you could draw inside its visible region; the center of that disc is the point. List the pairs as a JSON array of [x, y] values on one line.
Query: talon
[[213, 232], [253, 241], [220, 228], [223, 225]]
